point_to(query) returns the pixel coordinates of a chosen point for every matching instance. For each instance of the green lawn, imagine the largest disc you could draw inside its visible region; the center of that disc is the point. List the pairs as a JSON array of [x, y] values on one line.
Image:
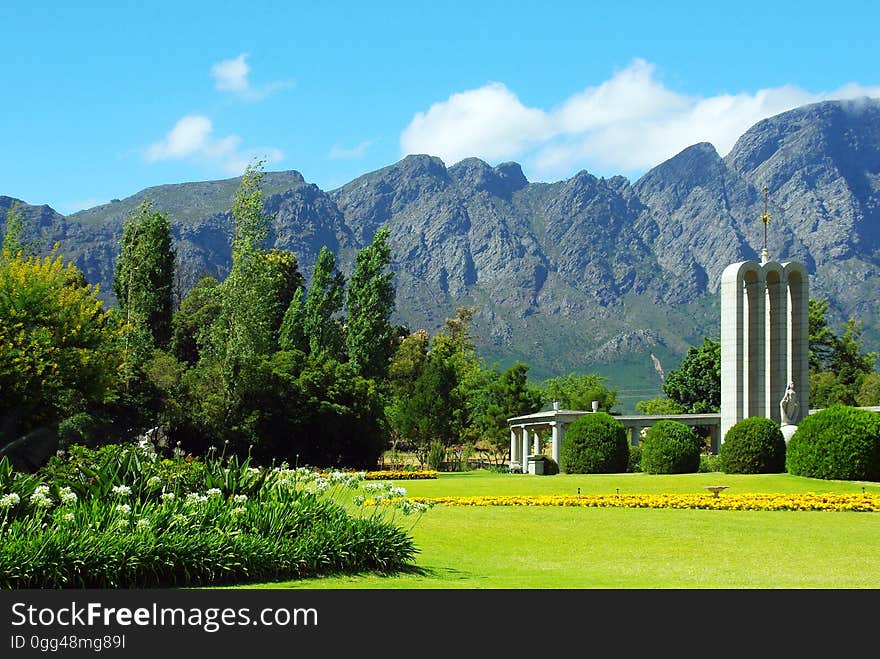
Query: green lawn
[[553, 548]]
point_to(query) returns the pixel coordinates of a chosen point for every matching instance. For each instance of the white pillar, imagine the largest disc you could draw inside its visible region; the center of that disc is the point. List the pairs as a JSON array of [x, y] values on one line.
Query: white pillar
[[536, 442], [512, 448], [555, 441], [524, 446]]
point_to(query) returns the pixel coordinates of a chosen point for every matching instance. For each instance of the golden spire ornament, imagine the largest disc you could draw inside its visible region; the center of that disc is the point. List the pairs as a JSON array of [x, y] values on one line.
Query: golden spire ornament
[[765, 219]]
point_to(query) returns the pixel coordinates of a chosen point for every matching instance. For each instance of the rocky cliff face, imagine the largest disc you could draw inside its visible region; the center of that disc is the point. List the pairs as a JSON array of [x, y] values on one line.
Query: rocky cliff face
[[589, 274]]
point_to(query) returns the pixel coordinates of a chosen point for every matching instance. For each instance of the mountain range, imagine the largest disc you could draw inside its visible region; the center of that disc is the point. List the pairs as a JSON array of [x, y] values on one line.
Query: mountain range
[[586, 274]]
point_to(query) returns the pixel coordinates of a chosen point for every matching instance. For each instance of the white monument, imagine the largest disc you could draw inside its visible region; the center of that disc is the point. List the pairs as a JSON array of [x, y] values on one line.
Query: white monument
[[764, 340]]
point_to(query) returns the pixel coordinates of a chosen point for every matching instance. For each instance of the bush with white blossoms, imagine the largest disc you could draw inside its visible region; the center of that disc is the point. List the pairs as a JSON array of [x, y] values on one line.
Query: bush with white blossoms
[[188, 522]]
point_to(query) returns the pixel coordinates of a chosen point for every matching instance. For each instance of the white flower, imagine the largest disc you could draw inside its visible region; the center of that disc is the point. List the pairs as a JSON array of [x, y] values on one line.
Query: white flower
[[214, 492], [240, 498], [238, 511], [67, 495], [68, 517], [40, 497], [154, 481], [397, 492], [123, 522], [9, 500], [195, 498], [121, 490], [167, 496], [143, 523], [123, 508]]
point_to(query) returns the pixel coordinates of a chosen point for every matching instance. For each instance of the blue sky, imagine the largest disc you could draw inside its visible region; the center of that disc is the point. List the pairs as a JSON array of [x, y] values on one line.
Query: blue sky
[[101, 100]]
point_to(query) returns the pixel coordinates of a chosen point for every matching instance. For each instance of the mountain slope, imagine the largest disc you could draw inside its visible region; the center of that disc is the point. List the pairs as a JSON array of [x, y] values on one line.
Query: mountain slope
[[588, 274]]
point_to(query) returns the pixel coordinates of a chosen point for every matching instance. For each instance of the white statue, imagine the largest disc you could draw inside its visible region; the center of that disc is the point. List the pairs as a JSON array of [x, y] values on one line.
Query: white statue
[[788, 406]]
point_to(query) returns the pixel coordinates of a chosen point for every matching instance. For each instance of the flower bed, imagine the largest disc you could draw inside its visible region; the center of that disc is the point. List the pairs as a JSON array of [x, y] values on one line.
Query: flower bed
[[827, 502], [399, 475], [121, 517]]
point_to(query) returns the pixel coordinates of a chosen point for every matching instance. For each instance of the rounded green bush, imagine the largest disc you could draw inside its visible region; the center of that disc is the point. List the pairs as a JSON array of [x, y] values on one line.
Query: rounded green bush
[[754, 445], [595, 443], [670, 447], [839, 442]]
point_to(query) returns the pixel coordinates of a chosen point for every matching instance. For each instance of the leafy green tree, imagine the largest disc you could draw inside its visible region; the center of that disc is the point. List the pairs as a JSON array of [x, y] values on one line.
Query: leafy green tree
[[428, 414], [282, 282], [405, 367], [455, 344], [292, 333], [822, 340], [507, 396], [838, 367], [13, 242], [192, 322], [245, 324], [869, 391], [696, 384], [323, 305], [370, 302], [659, 406], [59, 349], [143, 281], [578, 391]]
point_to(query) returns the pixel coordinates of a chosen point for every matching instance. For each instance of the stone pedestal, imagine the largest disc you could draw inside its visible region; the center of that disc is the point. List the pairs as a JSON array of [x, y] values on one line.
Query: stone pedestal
[[787, 431]]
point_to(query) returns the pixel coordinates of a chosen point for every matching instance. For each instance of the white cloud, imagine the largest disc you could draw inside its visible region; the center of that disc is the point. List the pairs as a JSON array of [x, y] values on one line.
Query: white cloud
[[189, 136], [192, 137], [626, 124], [231, 75], [489, 122], [341, 153]]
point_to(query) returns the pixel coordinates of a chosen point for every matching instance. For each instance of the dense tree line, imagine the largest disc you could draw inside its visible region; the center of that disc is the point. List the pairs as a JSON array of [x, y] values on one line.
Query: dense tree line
[[262, 362]]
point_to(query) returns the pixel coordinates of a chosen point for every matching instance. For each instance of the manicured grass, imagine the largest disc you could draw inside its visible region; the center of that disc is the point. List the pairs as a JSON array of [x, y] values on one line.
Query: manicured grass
[[505, 547]]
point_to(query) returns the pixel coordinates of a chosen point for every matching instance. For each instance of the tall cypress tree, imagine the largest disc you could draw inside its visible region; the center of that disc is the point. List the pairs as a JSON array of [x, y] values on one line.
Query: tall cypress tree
[[322, 306], [143, 280], [245, 327], [369, 335]]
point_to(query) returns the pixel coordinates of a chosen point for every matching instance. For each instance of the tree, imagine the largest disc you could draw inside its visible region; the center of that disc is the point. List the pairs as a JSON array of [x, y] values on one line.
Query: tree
[[246, 321], [292, 333], [282, 286], [869, 391], [838, 367], [370, 302], [696, 384], [407, 364], [143, 281], [659, 406], [322, 305], [822, 339], [59, 349], [578, 391], [429, 414], [506, 396], [192, 322], [13, 243], [455, 345]]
